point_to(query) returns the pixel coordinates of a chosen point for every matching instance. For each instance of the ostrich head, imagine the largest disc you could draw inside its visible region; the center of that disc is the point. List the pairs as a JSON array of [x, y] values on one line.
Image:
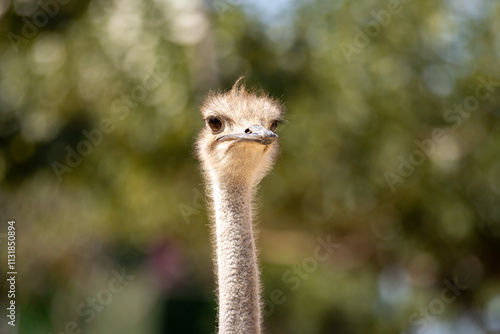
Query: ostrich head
[[239, 143]]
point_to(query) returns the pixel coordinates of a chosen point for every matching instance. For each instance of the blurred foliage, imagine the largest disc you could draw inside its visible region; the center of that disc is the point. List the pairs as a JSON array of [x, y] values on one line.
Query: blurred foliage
[[119, 83]]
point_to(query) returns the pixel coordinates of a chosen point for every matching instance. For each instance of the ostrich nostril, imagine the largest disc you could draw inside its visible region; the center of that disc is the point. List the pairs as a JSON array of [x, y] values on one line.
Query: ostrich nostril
[[248, 130]]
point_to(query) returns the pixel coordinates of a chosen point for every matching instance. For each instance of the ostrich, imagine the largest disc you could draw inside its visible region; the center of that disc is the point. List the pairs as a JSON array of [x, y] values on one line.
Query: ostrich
[[236, 150]]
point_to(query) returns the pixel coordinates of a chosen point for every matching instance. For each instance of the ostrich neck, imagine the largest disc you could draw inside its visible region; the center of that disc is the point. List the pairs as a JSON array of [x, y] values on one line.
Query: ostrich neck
[[238, 275]]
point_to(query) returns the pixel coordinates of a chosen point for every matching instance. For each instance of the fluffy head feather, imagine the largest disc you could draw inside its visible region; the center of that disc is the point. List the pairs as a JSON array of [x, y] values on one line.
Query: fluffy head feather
[[238, 110]]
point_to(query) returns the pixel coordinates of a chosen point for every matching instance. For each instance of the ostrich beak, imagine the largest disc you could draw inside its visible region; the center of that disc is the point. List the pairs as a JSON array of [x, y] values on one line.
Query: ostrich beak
[[255, 133]]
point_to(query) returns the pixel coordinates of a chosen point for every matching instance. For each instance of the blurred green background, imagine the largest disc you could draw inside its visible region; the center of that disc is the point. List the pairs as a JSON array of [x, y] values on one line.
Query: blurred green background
[[390, 151]]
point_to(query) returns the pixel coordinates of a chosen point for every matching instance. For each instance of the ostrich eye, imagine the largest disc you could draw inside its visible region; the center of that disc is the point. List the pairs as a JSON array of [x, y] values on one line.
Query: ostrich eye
[[274, 125], [215, 124]]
